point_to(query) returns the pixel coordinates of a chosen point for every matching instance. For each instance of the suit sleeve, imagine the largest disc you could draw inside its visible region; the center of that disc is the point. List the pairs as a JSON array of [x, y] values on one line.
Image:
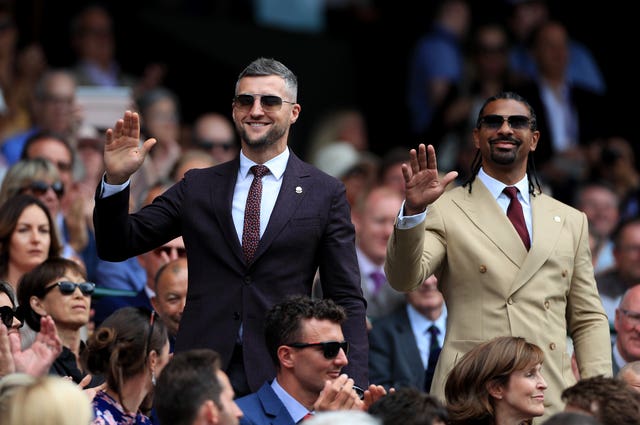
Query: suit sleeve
[[340, 280], [587, 322]]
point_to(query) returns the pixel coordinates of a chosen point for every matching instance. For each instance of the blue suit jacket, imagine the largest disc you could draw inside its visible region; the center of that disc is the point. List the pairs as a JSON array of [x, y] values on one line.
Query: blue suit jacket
[[263, 408], [394, 359], [310, 229]]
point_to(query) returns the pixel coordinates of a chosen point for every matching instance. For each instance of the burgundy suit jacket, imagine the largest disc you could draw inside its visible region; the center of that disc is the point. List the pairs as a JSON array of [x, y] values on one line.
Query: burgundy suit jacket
[[309, 230]]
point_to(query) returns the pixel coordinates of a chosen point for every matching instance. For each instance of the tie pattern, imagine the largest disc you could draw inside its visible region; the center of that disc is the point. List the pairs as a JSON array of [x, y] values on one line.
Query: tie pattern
[[251, 229], [514, 212], [378, 278], [434, 352]]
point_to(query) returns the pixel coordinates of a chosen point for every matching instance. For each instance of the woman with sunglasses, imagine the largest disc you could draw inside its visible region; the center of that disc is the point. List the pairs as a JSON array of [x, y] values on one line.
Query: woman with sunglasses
[[497, 382], [129, 349], [37, 359], [58, 287], [40, 178]]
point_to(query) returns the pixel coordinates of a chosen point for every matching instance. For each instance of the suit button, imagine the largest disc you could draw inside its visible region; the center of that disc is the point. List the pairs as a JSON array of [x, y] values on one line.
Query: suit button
[[510, 301], [564, 273], [546, 305], [236, 315], [247, 280], [483, 269], [552, 346]]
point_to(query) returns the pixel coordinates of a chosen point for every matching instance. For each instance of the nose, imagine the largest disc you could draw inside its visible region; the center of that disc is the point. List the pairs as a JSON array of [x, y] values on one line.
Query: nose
[[341, 358]]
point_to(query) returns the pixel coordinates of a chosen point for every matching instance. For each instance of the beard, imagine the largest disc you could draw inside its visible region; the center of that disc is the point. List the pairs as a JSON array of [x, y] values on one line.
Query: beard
[[262, 143], [504, 156]]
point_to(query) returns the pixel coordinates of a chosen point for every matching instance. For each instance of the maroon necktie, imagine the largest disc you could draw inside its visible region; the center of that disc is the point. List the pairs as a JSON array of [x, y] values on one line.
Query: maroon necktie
[[251, 230], [514, 212]]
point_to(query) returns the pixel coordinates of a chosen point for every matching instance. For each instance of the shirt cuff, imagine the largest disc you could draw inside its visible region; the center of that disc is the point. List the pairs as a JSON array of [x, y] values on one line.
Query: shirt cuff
[[111, 189], [410, 221]]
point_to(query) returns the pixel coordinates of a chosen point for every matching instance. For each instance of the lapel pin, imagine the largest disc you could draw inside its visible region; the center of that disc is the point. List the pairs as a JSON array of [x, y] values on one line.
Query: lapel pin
[[556, 219], [298, 189]]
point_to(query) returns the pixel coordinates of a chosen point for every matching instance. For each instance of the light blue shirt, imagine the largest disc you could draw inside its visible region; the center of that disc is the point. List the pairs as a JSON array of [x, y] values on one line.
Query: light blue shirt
[[495, 187], [420, 326], [296, 410]]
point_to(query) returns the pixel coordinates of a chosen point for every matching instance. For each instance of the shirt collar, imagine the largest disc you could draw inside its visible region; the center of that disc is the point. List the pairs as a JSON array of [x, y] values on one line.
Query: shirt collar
[[496, 187], [276, 165], [419, 323], [293, 406]]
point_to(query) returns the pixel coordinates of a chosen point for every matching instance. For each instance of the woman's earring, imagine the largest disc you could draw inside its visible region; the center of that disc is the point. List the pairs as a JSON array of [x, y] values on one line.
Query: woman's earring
[[153, 378]]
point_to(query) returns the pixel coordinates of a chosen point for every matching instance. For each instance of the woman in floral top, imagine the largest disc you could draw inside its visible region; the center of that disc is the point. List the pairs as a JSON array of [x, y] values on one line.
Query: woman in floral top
[[129, 349]]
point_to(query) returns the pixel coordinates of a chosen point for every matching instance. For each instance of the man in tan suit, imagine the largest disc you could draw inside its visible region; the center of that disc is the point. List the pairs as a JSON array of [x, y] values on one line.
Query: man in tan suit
[[492, 284]]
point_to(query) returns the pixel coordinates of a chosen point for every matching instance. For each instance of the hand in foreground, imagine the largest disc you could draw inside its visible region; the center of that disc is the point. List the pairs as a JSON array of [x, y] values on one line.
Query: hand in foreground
[[338, 395], [37, 359], [123, 153], [7, 365], [422, 182], [91, 392], [373, 394]]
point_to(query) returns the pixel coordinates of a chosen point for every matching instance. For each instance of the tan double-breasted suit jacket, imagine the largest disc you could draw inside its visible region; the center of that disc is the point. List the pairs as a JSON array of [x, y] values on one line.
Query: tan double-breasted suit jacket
[[493, 286]]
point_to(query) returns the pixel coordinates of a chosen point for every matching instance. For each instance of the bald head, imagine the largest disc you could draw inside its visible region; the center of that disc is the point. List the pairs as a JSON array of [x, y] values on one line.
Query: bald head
[[171, 293]]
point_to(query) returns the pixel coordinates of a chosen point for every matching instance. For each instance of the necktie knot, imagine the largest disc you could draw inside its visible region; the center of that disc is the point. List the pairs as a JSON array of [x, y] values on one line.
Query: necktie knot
[[259, 171], [511, 192], [434, 331]]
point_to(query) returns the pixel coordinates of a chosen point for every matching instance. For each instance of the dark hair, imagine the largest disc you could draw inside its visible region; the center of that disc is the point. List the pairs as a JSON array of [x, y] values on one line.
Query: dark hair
[[571, 418], [118, 348], [44, 134], [34, 282], [409, 406], [534, 183], [609, 400], [623, 224], [10, 213], [188, 380], [262, 67], [283, 321]]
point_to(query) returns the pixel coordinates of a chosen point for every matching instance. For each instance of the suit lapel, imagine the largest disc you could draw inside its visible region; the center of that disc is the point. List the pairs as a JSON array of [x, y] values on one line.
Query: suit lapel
[[295, 186], [407, 340], [485, 213], [273, 406], [547, 219], [222, 188]]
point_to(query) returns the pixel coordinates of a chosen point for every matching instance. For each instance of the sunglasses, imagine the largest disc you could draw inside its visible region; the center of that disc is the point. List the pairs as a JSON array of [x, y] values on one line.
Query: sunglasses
[[7, 314], [182, 252], [209, 144], [39, 188], [68, 288], [516, 122], [330, 349], [268, 102]]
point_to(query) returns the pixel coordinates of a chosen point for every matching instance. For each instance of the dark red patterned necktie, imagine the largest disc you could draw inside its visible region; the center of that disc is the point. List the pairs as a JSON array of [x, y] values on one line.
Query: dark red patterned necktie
[[514, 212], [251, 229]]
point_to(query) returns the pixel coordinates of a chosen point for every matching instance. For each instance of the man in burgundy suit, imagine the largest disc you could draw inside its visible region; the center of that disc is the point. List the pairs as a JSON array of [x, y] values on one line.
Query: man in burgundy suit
[[304, 226]]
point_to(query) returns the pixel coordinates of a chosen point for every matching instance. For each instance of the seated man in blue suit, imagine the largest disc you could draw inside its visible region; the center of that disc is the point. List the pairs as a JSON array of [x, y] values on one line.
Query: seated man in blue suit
[[399, 343], [305, 341]]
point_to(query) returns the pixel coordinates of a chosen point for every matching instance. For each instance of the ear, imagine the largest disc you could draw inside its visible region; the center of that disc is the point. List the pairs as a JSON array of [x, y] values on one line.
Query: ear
[[36, 305], [495, 390], [534, 141], [286, 357], [295, 112], [154, 302], [208, 413], [476, 138]]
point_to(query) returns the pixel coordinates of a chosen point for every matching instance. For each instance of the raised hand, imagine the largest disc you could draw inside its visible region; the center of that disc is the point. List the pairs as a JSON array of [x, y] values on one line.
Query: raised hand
[[423, 184], [37, 359], [123, 153]]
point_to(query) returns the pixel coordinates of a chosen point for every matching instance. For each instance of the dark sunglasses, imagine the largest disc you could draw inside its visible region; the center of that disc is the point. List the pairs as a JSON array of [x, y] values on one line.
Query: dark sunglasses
[[516, 122], [68, 288], [268, 102], [208, 144], [182, 252], [7, 314], [39, 188], [330, 349]]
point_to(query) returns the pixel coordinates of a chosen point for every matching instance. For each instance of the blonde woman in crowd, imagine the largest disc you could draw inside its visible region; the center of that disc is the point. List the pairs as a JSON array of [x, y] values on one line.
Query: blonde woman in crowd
[[49, 400]]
